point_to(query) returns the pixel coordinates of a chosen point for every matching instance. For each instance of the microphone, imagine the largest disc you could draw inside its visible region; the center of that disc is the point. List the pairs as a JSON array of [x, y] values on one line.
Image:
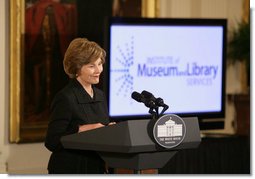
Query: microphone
[[141, 99], [158, 101]]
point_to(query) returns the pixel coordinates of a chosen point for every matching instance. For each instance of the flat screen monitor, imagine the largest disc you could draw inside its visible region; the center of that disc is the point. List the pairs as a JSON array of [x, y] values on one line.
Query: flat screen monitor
[[179, 60]]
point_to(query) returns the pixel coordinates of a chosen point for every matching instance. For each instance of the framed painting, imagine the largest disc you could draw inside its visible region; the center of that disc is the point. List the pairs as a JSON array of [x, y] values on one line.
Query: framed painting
[[40, 31]]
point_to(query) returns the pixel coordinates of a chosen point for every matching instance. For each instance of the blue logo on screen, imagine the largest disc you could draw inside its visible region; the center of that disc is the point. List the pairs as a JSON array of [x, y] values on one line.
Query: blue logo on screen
[[125, 60]]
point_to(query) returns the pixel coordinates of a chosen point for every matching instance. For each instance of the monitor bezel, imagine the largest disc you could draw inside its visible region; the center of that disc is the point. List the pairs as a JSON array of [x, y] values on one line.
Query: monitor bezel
[[169, 22]]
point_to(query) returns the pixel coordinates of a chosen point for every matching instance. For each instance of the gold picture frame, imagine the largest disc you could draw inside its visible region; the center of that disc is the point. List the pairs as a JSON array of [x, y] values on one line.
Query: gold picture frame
[[19, 132], [15, 56], [22, 131]]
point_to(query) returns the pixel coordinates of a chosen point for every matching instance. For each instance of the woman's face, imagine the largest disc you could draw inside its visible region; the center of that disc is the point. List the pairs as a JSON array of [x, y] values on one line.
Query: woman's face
[[90, 73]]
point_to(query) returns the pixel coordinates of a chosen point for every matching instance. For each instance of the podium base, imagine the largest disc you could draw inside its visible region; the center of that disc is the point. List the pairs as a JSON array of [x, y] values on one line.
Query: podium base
[[137, 161]]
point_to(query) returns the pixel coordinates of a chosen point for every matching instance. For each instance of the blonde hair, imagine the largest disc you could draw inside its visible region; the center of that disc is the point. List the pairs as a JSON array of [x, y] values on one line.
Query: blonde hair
[[80, 52]]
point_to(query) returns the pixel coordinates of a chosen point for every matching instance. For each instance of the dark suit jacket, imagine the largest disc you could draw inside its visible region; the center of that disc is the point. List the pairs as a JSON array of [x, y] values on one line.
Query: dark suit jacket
[[71, 107]]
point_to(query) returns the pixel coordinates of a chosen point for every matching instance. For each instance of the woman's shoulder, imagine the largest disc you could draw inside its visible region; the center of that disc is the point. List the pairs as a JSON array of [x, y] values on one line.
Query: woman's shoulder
[[65, 92], [100, 95]]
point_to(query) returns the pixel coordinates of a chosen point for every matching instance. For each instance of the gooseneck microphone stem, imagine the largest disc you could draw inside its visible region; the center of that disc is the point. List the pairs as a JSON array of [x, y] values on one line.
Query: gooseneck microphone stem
[[164, 109], [153, 113]]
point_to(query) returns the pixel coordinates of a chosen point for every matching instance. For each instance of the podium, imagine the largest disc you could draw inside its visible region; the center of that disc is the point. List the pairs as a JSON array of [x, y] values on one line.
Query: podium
[[130, 145]]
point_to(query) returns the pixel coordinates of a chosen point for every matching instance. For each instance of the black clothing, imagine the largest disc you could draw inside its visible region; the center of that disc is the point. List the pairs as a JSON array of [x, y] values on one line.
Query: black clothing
[[71, 107]]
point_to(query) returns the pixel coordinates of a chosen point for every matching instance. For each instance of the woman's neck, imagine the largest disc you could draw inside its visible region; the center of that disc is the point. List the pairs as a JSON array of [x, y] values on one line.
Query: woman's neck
[[88, 87]]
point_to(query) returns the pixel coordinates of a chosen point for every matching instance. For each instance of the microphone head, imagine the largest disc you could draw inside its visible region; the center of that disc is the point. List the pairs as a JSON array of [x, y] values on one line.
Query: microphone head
[[136, 96], [150, 104], [148, 101], [160, 102], [147, 94]]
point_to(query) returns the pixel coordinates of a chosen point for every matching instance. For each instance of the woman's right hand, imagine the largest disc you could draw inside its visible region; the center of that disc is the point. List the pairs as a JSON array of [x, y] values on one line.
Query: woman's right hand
[[87, 127]]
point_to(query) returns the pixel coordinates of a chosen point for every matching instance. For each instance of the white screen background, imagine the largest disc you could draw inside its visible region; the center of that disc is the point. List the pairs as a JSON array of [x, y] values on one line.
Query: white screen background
[[164, 46]]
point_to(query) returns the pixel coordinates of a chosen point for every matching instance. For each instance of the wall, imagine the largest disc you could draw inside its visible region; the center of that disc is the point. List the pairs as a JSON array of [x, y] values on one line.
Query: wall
[[3, 88], [33, 158]]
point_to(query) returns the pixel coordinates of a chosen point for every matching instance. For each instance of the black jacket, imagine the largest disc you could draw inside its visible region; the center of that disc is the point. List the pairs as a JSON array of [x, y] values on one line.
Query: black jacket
[[71, 107]]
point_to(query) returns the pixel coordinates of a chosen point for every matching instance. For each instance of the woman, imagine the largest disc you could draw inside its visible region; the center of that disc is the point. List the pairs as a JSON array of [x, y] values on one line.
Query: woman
[[76, 108]]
